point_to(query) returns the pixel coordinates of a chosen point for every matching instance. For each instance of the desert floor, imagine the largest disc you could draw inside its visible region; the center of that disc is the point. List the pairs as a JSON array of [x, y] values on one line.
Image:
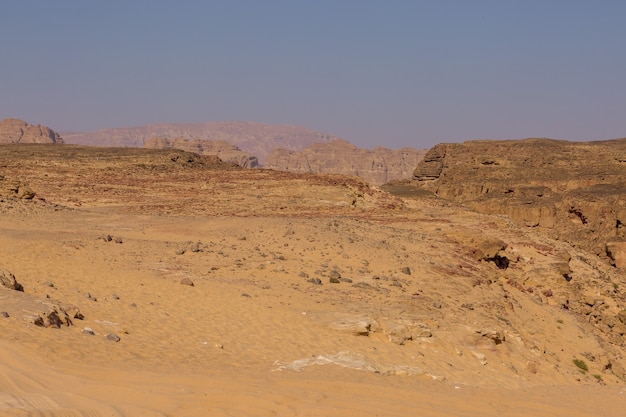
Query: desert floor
[[256, 335]]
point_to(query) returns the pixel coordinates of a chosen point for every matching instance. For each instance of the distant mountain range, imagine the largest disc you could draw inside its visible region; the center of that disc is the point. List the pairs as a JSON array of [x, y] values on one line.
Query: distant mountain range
[[257, 139]]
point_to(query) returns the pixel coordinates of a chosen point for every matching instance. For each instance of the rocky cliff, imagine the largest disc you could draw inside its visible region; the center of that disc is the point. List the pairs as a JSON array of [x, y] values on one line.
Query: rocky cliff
[[18, 131], [377, 166], [223, 150], [255, 138], [572, 191]]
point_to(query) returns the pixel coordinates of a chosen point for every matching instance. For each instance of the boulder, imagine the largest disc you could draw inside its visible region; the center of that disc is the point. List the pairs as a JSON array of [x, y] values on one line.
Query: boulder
[[7, 280], [616, 251]]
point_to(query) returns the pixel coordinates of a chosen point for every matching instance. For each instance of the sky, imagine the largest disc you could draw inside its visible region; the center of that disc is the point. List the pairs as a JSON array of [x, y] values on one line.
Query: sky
[[390, 73]]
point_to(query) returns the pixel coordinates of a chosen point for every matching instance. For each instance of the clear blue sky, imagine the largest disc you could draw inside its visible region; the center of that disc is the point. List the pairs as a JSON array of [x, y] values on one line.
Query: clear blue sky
[[391, 73]]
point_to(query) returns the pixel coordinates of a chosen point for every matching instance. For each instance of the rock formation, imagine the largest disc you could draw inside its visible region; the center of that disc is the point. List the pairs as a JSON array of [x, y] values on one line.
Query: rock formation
[[377, 166], [572, 191], [223, 150], [255, 138], [18, 131]]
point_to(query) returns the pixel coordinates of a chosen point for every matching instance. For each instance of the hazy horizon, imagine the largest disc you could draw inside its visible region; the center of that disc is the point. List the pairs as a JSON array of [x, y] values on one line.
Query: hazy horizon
[[393, 74]]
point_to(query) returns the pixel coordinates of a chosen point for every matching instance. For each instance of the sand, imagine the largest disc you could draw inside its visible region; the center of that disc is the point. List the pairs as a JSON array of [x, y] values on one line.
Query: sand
[[253, 336]]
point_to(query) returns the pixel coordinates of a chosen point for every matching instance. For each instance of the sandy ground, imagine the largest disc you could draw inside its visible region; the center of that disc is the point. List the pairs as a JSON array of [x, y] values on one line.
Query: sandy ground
[[254, 336]]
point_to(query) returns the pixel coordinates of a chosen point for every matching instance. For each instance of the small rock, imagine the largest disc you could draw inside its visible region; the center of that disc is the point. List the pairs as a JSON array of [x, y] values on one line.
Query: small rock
[[303, 274], [245, 295], [113, 337], [348, 280], [115, 296], [187, 281], [180, 251], [90, 297], [48, 284], [315, 281], [436, 304], [468, 306], [333, 280], [396, 283], [89, 331], [4, 314], [406, 270], [118, 240], [106, 238]]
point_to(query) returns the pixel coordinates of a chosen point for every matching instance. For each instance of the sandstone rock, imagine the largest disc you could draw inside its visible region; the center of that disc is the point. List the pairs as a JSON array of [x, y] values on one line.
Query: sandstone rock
[[7, 280], [223, 150], [571, 191], [56, 317], [617, 253], [89, 331], [187, 281], [15, 189], [378, 166], [431, 166], [18, 131], [356, 325], [113, 337]]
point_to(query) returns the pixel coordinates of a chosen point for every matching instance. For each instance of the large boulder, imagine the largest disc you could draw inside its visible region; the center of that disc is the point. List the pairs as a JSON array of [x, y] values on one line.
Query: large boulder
[[7, 280]]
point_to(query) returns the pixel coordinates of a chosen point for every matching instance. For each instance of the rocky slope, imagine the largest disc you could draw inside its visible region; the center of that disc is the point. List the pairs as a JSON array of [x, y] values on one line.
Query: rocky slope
[[257, 139], [571, 191], [223, 150], [377, 166], [18, 131]]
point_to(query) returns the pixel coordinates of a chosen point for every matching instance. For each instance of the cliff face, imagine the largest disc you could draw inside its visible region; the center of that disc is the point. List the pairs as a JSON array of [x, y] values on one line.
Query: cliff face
[[223, 150], [377, 166], [573, 191], [18, 131], [255, 138]]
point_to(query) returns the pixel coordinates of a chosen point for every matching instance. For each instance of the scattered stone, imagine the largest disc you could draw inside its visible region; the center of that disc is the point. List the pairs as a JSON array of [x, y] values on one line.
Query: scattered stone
[[113, 337], [118, 240], [48, 284], [303, 274], [106, 238], [245, 295], [5, 314], [8, 280], [333, 280], [52, 319], [180, 251], [348, 280], [187, 281], [436, 304], [468, 306], [315, 281], [406, 270], [90, 297], [89, 331], [115, 296], [396, 283]]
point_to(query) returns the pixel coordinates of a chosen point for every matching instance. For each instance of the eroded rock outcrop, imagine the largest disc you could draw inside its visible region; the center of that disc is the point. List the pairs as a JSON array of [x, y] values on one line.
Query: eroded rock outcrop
[[18, 131], [223, 150], [377, 166], [575, 191]]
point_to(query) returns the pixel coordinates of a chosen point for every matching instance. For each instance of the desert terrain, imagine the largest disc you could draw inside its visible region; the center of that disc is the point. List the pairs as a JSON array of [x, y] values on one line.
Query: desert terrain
[[156, 282]]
